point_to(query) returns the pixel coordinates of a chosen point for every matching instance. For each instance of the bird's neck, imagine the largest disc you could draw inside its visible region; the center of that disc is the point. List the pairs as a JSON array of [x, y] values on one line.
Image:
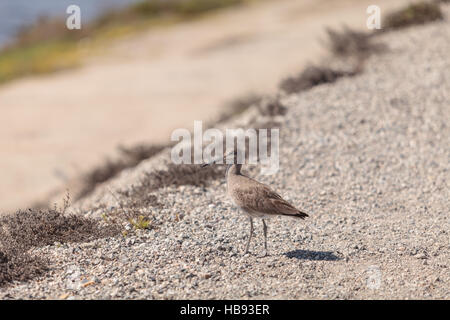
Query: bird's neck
[[234, 169]]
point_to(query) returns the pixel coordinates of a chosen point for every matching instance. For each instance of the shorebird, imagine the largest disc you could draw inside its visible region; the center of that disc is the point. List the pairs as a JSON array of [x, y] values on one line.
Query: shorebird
[[256, 199]]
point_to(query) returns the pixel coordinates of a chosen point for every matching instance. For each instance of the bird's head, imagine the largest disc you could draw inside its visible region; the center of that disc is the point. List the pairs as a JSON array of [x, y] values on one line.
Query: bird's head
[[228, 157]]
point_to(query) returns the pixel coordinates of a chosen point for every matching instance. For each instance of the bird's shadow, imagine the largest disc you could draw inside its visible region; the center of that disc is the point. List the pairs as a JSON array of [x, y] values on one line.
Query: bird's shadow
[[312, 255]]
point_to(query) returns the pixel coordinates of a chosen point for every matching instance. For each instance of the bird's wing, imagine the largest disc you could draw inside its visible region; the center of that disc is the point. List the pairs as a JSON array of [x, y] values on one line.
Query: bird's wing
[[260, 198]]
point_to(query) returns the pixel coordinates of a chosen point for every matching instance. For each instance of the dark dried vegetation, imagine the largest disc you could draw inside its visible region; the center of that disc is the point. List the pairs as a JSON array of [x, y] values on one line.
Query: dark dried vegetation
[[272, 107], [351, 43], [45, 227], [311, 77], [23, 230], [347, 44], [135, 205], [414, 14], [176, 175], [130, 157], [18, 265]]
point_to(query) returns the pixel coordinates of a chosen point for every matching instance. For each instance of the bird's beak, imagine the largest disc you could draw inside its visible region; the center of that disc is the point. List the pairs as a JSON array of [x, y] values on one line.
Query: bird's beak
[[208, 163], [220, 159], [213, 161]]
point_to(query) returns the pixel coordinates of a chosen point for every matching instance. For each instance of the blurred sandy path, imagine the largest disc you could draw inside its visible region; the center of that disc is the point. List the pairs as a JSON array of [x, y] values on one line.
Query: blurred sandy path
[[53, 128]]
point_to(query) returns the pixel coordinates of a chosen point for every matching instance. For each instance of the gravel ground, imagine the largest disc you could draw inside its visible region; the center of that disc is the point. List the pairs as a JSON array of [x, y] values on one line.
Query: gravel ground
[[367, 157]]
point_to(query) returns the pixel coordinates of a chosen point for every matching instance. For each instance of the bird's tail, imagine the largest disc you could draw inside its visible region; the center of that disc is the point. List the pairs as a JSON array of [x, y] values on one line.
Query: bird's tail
[[286, 209], [299, 214]]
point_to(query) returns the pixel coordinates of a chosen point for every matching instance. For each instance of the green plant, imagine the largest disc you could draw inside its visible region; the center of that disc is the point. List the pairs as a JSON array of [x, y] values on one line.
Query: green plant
[[48, 46], [45, 57], [140, 222]]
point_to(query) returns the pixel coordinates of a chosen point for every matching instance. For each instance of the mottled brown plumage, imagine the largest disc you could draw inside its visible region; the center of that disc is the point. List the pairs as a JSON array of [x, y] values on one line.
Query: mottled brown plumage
[[257, 200]]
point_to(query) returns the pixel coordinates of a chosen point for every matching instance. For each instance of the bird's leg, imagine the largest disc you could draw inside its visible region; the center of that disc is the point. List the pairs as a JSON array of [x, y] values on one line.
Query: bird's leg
[[250, 237], [265, 236]]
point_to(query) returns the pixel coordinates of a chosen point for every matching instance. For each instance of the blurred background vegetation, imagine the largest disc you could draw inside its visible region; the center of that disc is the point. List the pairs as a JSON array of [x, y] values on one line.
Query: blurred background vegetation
[[44, 46]]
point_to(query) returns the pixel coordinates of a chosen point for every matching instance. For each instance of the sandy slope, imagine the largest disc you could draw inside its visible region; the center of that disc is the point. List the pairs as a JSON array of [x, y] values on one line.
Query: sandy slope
[[367, 157], [52, 128]]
